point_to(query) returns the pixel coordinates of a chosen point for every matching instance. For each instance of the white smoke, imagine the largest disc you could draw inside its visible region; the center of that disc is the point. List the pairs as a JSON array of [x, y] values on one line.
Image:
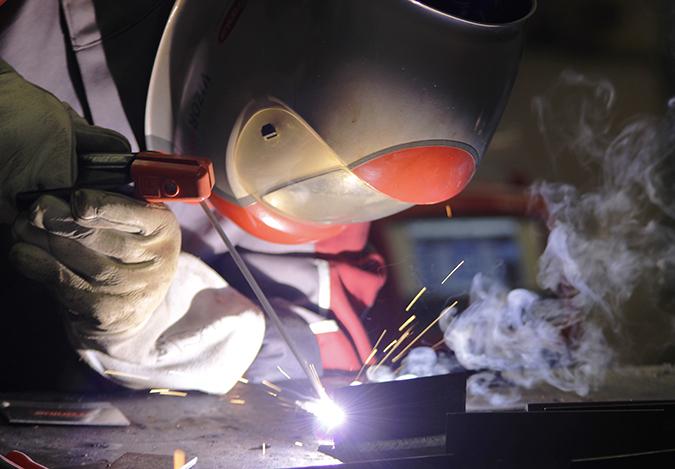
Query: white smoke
[[419, 362], [609, 264]]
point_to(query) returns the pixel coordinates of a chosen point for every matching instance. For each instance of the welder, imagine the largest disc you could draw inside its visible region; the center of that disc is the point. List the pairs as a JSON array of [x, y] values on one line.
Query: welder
[[318, 116]]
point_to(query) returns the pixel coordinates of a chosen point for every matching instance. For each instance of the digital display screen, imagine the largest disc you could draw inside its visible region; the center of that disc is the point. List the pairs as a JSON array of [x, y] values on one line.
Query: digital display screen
[[425, 251]]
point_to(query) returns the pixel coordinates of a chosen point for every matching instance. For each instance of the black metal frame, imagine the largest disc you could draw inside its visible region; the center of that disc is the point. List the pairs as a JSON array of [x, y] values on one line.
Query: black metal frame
[[404, 424]]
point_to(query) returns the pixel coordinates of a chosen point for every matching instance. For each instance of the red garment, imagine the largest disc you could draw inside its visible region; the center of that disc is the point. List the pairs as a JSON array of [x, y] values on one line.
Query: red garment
[[354, 284]]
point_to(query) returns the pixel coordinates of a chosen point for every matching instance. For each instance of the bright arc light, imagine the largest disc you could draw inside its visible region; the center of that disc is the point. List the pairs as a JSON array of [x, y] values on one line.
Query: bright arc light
[[329, 414]]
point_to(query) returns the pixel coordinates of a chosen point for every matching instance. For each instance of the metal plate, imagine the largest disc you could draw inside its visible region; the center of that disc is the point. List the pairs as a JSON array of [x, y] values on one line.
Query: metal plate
[[63, 413]]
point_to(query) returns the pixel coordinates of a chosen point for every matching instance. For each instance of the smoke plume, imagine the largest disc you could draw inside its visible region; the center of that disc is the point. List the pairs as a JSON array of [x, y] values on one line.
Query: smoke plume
[[608, 271]]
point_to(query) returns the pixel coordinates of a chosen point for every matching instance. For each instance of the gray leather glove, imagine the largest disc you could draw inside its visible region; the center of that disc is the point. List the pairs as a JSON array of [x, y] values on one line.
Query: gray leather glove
[[39, 140], [108, 258]]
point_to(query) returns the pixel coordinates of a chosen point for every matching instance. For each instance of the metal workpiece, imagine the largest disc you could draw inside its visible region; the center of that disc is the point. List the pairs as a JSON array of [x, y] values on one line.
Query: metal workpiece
[[554, 439], [398, 409]]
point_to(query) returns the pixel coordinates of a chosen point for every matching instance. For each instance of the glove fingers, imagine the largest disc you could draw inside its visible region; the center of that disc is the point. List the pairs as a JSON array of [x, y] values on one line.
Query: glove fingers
[[51, 216], [37, 264], [111, 260], [92, 311], [24, 231], [102, 272], [93, 139], [99, 209]]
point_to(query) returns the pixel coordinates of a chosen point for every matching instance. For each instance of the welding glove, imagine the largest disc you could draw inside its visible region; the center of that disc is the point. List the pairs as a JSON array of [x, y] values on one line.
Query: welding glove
[[39, 139], [203, 336], [112, 261], [108, 258]]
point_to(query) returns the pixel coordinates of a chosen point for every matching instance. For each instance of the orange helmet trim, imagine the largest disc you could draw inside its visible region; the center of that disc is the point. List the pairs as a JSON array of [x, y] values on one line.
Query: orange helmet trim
[[270, 226]]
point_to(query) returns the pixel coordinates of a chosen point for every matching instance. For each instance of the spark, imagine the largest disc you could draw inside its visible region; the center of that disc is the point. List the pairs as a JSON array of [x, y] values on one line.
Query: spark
[[399, 341], [273, 394], [389, 346], [281, 370], [271, 385], [445, 311], [452, 272], [238, 401], [167, 392], [379, 340], [370, 355], [298, 443], [417, 297], [440, 342], [121, 374], [365, 363], [264, 446], [172, 393], [448, 211], [178, 458], [243, 380], [407, 321], [191, 463]]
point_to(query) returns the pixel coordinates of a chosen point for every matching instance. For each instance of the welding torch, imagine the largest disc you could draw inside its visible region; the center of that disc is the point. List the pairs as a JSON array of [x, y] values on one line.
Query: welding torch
[[152, 176]]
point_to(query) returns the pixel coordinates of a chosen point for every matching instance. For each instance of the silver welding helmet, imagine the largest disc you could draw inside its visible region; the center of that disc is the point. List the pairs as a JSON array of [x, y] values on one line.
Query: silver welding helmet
[[321, 113]]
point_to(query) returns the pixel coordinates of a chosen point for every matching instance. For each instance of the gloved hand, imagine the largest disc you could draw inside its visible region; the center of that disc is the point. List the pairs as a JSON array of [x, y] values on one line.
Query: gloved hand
[[111, 260], [108, 258], [39, 139], [203, 336]]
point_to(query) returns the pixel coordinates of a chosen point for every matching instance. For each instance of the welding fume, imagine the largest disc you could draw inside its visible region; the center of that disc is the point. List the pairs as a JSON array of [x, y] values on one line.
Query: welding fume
[[311, 130], [608, 266]]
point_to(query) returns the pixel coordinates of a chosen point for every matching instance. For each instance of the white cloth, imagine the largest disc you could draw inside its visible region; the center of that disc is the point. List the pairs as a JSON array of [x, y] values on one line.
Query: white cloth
[[202, 337]]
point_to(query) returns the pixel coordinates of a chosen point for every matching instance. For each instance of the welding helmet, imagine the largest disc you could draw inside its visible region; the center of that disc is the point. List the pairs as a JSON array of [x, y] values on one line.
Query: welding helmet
[[321, 113]]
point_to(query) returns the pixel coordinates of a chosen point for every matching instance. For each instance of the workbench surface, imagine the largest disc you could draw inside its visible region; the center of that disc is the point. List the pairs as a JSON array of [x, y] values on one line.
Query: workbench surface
[[220, 434], [225, 435]]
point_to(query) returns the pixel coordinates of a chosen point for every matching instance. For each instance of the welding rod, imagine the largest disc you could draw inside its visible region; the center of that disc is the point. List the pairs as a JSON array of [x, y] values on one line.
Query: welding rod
[[264, 302]]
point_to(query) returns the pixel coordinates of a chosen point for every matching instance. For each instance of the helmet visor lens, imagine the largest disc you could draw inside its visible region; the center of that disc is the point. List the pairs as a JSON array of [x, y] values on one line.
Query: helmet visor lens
[[281, 162]]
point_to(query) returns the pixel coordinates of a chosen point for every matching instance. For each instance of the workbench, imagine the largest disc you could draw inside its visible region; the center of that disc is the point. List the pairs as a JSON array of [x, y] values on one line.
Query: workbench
[[220, 434], [226, 435]]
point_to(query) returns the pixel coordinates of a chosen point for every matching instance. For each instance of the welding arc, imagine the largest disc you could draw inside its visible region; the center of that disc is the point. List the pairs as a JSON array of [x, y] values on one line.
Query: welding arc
[[264, 302]]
